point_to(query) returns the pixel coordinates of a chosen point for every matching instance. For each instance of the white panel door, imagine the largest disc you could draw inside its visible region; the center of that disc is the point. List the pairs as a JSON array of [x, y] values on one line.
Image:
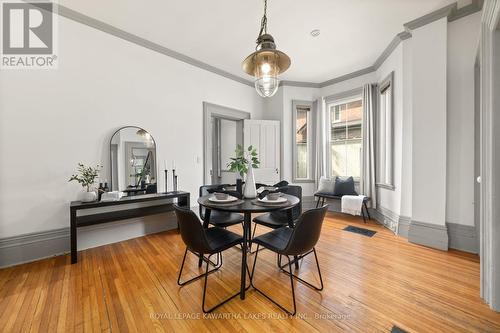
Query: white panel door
[[265, 136]]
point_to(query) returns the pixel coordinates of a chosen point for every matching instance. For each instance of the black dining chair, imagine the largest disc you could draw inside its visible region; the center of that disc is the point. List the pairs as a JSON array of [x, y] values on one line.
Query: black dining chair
[[203, 241], [218, 218], [299, 241], [278, 219]]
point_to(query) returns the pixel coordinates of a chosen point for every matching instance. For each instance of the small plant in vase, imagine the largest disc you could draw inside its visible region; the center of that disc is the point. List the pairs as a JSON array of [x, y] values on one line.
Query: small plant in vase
[[86, 176], [243, 164]]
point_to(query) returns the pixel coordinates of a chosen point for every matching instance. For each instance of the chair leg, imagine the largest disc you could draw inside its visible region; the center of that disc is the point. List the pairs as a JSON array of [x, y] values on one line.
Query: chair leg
[[292, 313], [201, 275], [203, 258], [363, 214], [317, 266], [367, 211], [250, 243], [205, 292], [317, 202]]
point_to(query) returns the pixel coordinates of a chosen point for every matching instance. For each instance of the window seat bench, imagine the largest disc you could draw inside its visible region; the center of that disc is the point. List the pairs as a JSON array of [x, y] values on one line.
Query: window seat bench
[[323, 196]]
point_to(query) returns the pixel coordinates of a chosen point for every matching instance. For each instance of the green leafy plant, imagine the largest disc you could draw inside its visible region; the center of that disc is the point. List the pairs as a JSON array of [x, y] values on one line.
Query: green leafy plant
[[86, 175], [239, 163]]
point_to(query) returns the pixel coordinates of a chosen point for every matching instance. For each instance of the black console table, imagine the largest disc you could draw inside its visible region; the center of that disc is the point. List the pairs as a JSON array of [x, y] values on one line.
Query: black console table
[[120, 214]]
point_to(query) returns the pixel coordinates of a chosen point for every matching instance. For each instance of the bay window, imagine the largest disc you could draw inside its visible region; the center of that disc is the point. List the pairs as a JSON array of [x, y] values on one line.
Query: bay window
[[384, 134], [346, 118], [302, 141]]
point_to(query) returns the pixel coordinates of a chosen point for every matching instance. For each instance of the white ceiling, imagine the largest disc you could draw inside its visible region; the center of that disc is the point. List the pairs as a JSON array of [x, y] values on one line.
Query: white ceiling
[[222, 33]]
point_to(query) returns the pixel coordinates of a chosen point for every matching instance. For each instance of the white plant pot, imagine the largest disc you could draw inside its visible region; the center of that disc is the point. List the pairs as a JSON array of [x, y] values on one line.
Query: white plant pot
[[250, 191], [87, 196]]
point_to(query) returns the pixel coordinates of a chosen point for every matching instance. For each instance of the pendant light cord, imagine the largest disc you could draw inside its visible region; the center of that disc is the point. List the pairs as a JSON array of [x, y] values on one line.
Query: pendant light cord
[[263, 22]]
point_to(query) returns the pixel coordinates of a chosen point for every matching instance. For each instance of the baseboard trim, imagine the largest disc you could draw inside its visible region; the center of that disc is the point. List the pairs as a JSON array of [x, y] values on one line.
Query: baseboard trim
[[35, 246], [404, 226], [462, 237], [428, 234], [25, 248], [386, 217]]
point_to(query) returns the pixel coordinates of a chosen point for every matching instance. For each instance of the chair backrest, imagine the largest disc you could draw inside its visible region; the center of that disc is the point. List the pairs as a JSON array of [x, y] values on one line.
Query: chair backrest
[[207, 189], [192, 231], [296, 191], [306, 231]]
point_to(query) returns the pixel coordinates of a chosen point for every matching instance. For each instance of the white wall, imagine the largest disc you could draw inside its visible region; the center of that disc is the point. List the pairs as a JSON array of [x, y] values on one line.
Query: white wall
[[51, 120], [463, 35], [429, 122]]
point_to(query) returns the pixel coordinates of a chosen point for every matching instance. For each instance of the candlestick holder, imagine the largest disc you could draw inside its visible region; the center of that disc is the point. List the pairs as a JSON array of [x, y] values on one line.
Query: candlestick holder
[[166, 180], [174, 180]]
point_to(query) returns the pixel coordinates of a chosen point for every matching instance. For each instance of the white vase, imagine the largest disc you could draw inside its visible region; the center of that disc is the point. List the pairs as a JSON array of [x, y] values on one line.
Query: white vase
[[250, 191], [87, 196]]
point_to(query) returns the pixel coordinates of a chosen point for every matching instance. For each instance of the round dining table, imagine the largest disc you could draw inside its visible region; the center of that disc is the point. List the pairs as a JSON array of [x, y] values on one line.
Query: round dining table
[[247, 207]]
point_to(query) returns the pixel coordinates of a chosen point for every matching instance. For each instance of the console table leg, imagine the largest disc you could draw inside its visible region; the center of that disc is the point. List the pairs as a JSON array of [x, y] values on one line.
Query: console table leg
[[74, 255]]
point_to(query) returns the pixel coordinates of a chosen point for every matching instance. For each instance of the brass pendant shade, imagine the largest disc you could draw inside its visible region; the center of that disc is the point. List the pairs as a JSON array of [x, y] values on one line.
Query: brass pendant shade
[[278, 60], [266, 63]]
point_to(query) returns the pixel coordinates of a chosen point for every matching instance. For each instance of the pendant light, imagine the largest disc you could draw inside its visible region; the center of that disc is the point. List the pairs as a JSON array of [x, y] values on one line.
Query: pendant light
[[266, 62]]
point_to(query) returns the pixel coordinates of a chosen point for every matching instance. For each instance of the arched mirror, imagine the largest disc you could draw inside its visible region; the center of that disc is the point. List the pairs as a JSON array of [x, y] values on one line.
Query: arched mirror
[[133, 161]]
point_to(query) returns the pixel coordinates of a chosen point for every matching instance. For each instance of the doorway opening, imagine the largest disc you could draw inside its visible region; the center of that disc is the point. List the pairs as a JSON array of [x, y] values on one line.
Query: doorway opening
[[222, 131]]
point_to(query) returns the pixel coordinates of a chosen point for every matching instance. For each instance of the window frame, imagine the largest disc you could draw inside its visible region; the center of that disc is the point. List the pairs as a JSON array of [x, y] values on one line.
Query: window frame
[[386, 83], [338, 99], [310, 141]]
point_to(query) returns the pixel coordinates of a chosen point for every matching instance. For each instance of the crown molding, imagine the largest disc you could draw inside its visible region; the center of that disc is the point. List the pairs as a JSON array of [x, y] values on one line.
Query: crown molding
[[391, 47], [431, 17], [299, 84], [347, 76], [472, 8], [451, 11]]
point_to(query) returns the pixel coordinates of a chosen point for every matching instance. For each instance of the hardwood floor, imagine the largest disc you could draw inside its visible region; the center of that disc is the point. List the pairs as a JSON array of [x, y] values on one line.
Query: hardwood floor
[[371, 284]]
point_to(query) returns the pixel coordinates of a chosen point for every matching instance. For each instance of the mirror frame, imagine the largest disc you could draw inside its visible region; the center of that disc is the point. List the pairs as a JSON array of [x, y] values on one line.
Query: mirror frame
[[111, 159]]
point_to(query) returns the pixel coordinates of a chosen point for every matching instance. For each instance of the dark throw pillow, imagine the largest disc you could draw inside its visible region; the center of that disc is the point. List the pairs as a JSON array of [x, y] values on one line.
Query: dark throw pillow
[[344, 186]]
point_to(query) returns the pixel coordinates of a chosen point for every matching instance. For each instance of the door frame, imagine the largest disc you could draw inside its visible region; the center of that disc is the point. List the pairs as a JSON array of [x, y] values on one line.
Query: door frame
[[215, 110]]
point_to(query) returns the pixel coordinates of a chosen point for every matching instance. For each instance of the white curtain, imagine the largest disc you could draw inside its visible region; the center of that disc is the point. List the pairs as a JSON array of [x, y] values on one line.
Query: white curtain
[[367, 182], [322, 140]]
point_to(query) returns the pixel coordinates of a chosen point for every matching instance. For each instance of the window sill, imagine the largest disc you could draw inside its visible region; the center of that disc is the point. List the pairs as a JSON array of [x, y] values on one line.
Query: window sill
[[386, 186]]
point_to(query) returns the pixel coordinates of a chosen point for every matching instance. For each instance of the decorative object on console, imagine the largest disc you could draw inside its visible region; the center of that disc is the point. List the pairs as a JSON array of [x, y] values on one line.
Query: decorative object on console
[[243, 163], [175, 183], [100, 191], [166, 180], [86, 176], [111, 196], [266, 62]]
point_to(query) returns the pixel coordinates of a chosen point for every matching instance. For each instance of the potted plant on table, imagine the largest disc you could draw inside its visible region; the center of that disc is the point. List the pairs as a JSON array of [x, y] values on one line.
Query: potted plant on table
[[86, 176], [243, 164]]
